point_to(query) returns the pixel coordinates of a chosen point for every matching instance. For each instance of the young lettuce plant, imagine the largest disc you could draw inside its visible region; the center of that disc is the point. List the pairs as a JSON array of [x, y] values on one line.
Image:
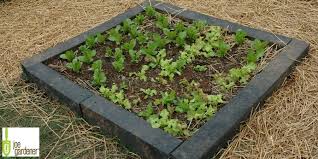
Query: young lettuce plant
[[240, 36], [149, 92], [119, 63], [223, 48], [200, 24], [90, 41], [68, 55], [114, 35], [139, 19], [126, 25], [192, 33], [200, 68], [179, 27], [160, 42], [180, 40], [87, 56], [129, 45], [142, 74], [162, 21], [100, 38], [256, 51], [150, 11], [75, 65], [99, 77], [115, 95], [97, 65], [171, 35]]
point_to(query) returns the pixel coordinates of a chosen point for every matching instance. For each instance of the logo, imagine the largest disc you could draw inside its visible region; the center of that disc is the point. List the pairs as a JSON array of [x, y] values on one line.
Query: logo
[[20, 142]]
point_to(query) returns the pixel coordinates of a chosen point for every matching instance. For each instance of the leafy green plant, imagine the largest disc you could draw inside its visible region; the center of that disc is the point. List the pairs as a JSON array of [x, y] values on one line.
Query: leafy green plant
[[100, 38], [126, 25], [97, 65], [133, 32], [116, 95], [90, 41], [119, 63], [139, 19], [179, 27], [162, 21], [134, 56], [129, 45], [192, 33], [68, 55], [180, 40], [200, 68], [108, 52], [223, 48], [171, 35], [240, 36], [87, 56], [168, 97], [256, 51], [150, 11], [172, 126], [149, 92], [142, 74], [148, 112], [150, 50], [114, 35], [141, 38], [160, 42], [200, 24], [75, 65], [99, 77]]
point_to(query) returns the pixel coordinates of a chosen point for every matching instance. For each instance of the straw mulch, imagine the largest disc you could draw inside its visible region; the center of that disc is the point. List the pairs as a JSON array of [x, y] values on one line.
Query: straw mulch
[[285, 127]]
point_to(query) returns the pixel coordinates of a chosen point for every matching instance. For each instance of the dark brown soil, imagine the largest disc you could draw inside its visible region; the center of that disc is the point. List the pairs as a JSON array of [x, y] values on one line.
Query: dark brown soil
[[234, 59]]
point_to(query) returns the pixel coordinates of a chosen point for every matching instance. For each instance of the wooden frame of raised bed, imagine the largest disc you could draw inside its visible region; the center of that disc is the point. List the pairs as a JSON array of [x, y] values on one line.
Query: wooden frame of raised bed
[[138, 135]]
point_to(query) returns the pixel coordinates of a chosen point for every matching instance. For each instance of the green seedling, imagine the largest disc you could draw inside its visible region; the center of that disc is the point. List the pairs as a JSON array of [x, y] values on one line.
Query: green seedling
[[75, 65], [114, 35], [200, 68], [68, 55], [149, 92], [240, 36]]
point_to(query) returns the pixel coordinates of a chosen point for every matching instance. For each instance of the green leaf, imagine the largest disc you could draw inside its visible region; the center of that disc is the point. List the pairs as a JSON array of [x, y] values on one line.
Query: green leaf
[[100, 38], [181, 39], [115, 36], [75, 65], [200, 68], [148, 112], [90, 41], [99, 77], [150, 11], [126, 25], [200, 24], [162, 21], [108, 52], [164, 113], [87, 56], [68, 55], [192, 33], [171, 35], [129, 45], [134, 56], [97, 65], [240, 36], [139, 19], [179, 27], [223, 48]]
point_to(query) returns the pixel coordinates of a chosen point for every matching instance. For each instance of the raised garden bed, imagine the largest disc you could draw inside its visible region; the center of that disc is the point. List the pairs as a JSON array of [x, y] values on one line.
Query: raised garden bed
[[166, 82]]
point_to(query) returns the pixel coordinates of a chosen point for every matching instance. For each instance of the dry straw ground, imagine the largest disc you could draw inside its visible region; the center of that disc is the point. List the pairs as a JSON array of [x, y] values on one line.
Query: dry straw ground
[[286, 127]]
